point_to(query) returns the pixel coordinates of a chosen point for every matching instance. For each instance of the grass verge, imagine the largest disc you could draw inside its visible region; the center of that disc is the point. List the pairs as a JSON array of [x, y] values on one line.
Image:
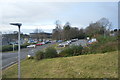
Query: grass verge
[[83, 66]]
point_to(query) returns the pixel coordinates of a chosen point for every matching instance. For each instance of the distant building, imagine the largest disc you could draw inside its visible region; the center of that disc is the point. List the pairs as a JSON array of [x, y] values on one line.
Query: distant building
[[8, 38], [40, 36], [11, 38]]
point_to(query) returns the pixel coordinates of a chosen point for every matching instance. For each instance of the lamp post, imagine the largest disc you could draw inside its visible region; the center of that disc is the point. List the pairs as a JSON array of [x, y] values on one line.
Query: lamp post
[[19, 25]]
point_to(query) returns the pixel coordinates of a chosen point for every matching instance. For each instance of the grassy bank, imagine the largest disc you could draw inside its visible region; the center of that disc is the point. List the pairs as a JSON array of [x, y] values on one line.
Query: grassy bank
[[83, 66]]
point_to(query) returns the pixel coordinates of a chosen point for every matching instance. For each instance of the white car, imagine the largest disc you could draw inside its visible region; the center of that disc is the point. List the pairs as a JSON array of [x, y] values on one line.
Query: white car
[[43, 42], [69, 42], [92, 41], [63, 44], [31, 46]]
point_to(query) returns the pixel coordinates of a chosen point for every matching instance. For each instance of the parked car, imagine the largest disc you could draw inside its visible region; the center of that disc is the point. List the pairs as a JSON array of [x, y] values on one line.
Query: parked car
[[31, 46], [63, 44], [69, 42], [43, 43], [73, 40], [39, 44], [46, 42], [92, 41], [59, 41]]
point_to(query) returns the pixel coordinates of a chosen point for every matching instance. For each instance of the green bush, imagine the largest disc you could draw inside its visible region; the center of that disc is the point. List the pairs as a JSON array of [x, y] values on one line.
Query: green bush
[[25, 45], [86, 50], [7, 48], [72, 51], [108, 47], [50, 52], [66, 52], [10, 47], [104, 44], [39, 55], [77, 50], [103, 39]]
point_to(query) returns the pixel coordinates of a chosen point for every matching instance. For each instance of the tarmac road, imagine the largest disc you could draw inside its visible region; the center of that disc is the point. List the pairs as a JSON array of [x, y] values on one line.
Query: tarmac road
[[81, 42], [10, 58]]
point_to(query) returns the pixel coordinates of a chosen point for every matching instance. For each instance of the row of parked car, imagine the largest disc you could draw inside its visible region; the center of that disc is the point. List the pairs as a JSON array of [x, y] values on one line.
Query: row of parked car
[[67, 43], [62, 44], [38, 44]]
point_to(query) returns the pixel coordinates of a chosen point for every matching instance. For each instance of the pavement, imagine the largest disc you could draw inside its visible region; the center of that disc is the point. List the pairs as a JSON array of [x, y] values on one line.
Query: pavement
[[10, 58]]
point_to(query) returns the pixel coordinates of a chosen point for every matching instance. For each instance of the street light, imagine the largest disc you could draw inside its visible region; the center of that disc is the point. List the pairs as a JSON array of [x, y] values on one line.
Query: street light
[[18, 24]]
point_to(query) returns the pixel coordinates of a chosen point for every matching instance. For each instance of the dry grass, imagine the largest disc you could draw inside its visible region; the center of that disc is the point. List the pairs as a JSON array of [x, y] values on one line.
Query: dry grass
[[83, 66]]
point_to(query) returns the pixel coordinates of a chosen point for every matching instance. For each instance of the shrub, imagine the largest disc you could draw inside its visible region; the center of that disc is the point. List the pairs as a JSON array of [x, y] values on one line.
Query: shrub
[[66, 52], [77, 50], [6, 48], [50, 52], [39, 55], [10, 47], [108, 47], [25, 45], [103, 39], [72, 51], [86, 50]]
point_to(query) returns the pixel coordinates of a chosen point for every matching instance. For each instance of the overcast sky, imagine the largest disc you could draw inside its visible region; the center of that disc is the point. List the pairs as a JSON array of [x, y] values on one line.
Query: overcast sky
[[43, 15]]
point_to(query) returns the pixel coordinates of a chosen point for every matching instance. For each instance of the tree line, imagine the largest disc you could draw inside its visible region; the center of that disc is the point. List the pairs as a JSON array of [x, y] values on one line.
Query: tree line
[[100, 27]]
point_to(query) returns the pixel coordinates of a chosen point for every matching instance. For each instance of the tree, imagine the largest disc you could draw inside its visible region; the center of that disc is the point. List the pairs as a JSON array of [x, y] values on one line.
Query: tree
[[58, 24], [38, 34], [57, 32], [67, 31], [82, 34], [101, 27], [104, 22], [94, 29]]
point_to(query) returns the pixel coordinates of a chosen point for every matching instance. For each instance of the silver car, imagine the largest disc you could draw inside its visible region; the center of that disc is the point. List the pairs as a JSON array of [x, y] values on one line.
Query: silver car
[[31, 46]]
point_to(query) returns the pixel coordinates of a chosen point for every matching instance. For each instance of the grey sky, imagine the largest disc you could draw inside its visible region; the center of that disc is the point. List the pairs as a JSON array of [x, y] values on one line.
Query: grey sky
[[43, 15]]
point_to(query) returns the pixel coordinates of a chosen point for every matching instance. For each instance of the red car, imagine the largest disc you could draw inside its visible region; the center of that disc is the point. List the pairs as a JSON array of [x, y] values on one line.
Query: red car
[[39, 44]]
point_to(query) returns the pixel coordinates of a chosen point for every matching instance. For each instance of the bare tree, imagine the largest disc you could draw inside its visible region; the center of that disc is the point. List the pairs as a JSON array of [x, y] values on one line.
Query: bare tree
[[38, 34], [58, 24], [57, 32], [66, 31], [104, 22]]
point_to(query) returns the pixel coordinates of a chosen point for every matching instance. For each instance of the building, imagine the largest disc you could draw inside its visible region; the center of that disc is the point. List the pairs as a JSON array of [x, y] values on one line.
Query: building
[[12, 38], [40, 36]]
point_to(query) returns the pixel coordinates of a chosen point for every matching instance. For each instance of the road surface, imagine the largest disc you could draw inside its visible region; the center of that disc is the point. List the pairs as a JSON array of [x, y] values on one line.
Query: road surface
[[10, 58], [81, 42]]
